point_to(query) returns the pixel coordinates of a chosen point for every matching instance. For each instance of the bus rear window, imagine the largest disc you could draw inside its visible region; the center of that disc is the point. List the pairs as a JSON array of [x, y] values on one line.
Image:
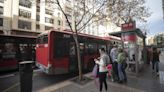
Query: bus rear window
[[42, 39]]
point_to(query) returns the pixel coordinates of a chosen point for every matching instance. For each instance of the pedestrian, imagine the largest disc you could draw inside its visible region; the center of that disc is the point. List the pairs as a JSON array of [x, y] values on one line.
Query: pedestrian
[[155, 61], [113, 56], [102, 62], [121, 65]]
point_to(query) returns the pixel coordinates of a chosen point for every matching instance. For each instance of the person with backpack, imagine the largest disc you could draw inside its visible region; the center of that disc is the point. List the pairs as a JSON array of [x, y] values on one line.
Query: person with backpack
[[103, 62], [121, 65]]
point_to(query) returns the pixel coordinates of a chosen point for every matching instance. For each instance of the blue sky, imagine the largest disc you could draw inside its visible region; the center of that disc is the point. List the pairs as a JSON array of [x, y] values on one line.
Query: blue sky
[[155, 23]]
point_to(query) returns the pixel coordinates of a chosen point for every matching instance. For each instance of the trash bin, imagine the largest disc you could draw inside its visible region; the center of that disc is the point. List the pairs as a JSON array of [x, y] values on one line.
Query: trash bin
[[26, 71]]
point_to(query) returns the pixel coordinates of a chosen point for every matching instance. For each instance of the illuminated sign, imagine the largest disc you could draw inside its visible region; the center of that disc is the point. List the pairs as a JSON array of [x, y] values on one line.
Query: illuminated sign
[[128, 26]]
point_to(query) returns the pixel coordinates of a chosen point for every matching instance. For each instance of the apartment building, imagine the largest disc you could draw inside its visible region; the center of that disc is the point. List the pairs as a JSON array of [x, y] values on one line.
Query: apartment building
[[23, 17]]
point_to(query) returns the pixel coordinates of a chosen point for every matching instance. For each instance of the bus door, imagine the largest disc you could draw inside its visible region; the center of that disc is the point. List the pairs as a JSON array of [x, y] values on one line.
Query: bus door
[[73, 64]]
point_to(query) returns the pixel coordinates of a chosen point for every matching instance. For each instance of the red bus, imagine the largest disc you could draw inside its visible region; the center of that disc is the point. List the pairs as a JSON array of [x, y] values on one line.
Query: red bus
[[13, 50], [56, 53]]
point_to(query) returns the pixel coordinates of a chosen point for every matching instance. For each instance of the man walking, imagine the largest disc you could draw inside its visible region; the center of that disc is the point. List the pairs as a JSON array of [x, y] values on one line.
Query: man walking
[[155, 61]]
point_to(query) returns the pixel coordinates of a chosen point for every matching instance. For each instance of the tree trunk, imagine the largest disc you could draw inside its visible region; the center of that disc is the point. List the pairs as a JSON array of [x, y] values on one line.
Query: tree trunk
[[78, 57]]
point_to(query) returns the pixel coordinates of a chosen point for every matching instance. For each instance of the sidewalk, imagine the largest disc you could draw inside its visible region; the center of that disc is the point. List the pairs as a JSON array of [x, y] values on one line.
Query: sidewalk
[[147, 82]]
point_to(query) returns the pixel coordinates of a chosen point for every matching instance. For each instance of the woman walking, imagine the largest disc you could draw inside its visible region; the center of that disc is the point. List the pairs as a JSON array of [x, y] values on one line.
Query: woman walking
[[102, 62]]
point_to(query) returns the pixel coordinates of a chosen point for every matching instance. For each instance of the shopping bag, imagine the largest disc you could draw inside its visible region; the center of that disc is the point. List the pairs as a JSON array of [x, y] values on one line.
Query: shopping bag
[[95, 71]]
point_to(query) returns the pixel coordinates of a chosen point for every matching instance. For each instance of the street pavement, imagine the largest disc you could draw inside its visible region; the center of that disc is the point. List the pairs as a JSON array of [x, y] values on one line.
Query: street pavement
[[145, 82]]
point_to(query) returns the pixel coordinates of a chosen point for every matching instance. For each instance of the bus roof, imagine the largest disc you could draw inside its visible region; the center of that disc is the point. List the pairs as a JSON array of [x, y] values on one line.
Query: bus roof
[[69, 32]]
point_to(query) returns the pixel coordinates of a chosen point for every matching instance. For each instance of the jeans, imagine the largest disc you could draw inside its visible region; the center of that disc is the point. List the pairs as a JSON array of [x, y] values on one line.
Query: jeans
[[115, 71], [155, 64], [124, 73], [120, 72]]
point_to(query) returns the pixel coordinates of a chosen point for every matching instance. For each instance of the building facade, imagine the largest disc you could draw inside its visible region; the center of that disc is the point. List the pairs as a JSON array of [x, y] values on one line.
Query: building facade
[[23, 17]]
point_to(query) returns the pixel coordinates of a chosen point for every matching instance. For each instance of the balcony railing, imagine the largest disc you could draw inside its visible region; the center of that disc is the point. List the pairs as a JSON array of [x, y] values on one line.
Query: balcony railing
[[25, 3]]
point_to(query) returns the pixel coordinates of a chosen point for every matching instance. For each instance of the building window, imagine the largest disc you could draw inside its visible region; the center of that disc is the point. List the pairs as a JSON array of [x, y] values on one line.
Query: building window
[[49, 20], [37, 27], [38, 9], [1, 10], [24, 13], [59, 22], [25, 3], [48, 27], [37, 17], [2, 1], [1, 21], [49, 12], [58, 14], [38, 1], [24, 24]]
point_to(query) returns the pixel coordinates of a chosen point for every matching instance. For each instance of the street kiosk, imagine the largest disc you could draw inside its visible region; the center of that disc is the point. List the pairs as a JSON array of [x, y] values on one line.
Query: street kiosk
[[133, 42]]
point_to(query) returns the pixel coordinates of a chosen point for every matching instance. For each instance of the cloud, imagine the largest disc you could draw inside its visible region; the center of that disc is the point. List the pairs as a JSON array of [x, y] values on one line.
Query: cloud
[[156, 21]]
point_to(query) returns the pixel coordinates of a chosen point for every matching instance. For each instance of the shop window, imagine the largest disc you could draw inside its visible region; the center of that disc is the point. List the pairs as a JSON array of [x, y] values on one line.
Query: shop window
[[24, 24]]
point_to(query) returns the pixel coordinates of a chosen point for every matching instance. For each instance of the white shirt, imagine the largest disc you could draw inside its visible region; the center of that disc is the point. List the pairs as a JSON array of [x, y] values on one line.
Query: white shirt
[[101, 63]]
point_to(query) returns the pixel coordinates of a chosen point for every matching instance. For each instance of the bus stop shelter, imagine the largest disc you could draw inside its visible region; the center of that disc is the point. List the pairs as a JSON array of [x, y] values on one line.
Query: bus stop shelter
[[133, 42]]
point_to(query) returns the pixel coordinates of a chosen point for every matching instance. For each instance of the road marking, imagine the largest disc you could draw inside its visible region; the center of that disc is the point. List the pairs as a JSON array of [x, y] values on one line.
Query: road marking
[[161, 77], [8, 75], [11, 87]]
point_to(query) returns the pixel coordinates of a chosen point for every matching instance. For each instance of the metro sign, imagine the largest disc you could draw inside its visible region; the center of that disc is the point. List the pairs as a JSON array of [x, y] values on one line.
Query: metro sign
[[128, 26]]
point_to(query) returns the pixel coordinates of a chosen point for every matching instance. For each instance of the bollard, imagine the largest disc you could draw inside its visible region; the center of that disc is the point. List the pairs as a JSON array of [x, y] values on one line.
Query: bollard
[[26, 71]]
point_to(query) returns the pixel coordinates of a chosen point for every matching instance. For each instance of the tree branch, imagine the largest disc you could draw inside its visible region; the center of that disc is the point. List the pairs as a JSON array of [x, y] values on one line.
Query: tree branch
[[57, 1], [91, 23], [93, 15]]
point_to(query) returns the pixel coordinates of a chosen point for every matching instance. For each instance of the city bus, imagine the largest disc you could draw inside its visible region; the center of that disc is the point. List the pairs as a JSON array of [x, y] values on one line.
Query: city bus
[[14, 49], [56, 51]]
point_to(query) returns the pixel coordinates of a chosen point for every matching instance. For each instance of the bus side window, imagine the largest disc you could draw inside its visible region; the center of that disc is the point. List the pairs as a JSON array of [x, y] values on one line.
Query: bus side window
[[91, 48], [61, 48], [72, 50]]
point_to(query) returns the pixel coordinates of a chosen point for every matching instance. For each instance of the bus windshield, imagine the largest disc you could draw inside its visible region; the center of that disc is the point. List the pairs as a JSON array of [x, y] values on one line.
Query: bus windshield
[[43, 39]]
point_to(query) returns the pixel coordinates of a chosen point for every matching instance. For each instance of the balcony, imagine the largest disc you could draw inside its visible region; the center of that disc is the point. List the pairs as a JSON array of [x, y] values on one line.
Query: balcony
[[24, 13], [25, 3]]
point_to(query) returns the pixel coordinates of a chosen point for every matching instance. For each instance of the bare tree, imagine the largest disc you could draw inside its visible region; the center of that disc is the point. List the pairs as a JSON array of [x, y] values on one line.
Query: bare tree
[[84, 13], [124, 10]]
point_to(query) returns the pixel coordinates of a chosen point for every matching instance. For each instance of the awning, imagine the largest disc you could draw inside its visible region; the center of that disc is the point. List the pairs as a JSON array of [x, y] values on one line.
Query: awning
[[137, 31]]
